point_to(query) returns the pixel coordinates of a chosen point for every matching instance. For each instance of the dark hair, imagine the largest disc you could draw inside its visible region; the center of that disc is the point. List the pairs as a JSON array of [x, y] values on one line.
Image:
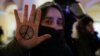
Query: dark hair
[[81, 27], [44, 8], [65, 2]]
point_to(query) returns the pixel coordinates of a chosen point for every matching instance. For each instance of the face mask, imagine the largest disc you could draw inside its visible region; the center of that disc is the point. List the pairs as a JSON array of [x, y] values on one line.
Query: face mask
[[56, 35]]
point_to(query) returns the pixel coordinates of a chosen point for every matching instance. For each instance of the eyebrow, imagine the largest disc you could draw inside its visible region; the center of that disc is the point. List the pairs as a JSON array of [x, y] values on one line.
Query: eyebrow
[[49, 17], [60, 18], [52, 18]]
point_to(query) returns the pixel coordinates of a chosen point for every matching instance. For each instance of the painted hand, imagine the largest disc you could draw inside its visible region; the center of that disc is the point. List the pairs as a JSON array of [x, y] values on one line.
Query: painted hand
[[27, 29]]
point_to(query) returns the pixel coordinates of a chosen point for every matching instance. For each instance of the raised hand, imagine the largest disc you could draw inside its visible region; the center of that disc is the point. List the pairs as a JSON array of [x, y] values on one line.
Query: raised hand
[[27, 29]]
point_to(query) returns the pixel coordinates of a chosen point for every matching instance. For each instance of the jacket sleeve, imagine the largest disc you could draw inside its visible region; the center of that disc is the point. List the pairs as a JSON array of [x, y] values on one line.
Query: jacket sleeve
[[12, 49], [84, 48]]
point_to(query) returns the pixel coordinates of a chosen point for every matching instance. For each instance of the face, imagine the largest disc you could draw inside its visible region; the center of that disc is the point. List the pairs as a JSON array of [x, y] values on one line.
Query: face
[[89, 27], [53, 19]]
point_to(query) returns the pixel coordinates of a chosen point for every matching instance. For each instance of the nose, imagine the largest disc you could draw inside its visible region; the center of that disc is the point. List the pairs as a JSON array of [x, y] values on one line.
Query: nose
[[56, 26]]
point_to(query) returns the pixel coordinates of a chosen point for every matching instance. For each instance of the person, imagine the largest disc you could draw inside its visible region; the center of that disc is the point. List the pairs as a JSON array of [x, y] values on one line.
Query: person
[[87, 42], [19, 46], [48, 25], [75, 37], [52, 23]]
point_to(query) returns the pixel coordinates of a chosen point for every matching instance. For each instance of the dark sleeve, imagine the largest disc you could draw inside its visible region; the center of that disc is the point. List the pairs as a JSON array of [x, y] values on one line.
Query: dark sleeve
[[12, 49], [96, 42], [69, 51], [83, 47]]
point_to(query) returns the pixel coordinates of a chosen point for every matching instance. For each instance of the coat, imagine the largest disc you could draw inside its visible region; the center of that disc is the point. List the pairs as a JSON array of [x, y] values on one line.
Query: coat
[[87, 44]]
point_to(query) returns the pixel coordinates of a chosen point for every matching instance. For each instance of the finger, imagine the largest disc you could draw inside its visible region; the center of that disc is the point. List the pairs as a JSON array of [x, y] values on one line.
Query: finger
[[44, 37], [31, 18], [16, 16], [38, 17], [25, 13], [41, 39]]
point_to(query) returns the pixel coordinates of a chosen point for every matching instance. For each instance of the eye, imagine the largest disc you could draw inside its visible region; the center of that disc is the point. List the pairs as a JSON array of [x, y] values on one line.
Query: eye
[[48, 21], [60, 21]]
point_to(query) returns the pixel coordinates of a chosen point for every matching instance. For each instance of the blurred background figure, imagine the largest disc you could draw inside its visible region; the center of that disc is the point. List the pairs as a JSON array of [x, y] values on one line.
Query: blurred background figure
[[87, 43], [7, 20], [10, 27]]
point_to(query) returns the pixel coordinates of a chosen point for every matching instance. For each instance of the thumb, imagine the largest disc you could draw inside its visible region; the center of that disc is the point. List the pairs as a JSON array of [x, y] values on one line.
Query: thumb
[[44, 37], [41, 39]]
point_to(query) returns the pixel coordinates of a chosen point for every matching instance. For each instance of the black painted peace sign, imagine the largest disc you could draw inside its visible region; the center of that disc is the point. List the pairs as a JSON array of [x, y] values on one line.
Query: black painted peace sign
[[26, 32]]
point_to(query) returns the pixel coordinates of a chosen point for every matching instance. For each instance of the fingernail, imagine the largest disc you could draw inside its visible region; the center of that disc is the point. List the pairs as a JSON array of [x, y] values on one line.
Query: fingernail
[[48, 35]]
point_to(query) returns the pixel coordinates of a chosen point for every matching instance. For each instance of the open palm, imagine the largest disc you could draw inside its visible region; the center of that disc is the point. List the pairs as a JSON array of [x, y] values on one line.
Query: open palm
[[27, 29]]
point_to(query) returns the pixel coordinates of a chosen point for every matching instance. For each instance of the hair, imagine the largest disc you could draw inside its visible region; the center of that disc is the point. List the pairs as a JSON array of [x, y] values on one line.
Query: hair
[[81, 27], [44, 8], [65, 2]]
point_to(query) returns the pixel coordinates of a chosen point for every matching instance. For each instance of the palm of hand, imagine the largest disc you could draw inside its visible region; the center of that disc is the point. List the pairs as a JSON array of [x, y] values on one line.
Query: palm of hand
[[27, 30]]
